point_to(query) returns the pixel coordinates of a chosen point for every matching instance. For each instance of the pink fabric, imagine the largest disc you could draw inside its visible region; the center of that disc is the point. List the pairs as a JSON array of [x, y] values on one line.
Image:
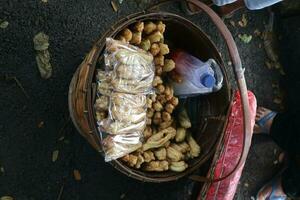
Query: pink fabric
[[225, 190]]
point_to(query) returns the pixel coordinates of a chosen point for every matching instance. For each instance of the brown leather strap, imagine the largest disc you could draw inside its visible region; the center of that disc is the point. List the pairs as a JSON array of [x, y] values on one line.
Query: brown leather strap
[[239, 75]]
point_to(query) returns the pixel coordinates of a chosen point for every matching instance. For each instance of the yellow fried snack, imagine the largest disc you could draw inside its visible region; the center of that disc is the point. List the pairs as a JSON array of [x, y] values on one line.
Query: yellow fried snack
[[102, 103], [161, 153], [178, 166], [100, 115], [130, 159], [139, 26], [156, 166], [174, 101], [161, 27], [157, 106], [169, 65], [159, 139], [148, 156], [154, 49], [166, 116], [155, 37], [159, 60], [195, 148], [180, 134], [149, 27], [161, 88], [164, 49], [140, 161], [184, 119], [165, 125], [147, 132], [173, 154], [169, 108], [157, 80], [127, 34], [145, 44], [136, 38]]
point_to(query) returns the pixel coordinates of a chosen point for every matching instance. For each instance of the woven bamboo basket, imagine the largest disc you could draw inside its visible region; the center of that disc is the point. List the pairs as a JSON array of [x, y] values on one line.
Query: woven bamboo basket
[[208, 113]]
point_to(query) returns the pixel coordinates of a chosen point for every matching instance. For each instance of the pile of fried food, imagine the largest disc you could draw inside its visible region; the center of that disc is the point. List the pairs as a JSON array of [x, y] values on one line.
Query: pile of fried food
[[168, 143]]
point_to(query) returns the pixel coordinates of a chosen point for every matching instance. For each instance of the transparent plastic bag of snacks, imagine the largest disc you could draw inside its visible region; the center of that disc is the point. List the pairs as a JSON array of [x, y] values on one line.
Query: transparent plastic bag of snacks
[[132, 68], [125, 124]]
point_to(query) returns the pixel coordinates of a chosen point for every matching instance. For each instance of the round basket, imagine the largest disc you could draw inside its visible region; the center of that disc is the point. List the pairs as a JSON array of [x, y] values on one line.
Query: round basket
[[208, 113]]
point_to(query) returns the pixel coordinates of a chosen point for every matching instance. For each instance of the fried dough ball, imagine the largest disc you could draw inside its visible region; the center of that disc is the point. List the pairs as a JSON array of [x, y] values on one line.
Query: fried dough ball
[[169, 65], [149, 27]]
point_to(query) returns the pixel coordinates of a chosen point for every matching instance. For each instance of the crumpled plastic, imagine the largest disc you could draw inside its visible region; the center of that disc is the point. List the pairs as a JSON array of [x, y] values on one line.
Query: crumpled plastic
[[230, 154]]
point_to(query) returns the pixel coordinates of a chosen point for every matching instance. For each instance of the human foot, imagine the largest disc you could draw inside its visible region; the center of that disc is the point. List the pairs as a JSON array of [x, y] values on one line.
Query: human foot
[[272, 191], [264, 119]]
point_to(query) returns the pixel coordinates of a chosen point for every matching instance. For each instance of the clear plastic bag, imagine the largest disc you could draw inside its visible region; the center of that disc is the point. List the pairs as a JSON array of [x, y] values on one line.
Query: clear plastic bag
[[132, 68], [128, 77]]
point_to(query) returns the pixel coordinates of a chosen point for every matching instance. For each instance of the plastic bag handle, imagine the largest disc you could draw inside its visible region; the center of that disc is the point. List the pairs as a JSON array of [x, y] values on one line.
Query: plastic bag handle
[[239, 76]]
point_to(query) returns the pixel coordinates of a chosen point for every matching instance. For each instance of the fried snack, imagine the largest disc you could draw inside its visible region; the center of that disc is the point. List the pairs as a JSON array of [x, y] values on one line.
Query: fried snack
[[118, 128], [104, 88], [145, 44], [136, 38], [184, 119], [127, 114], [149, 102], [132, 100], [157, 118], [161, 27], [195, 148], [116, 146], [169, 65], [164, 49], [181, 148], [156, 166], [157, 106], [147, 132], [149, 27], [157, 80], [101, 115], [148, 156], [169, 108], [132, 86], [154, 49], [121, 38], [169, 92], [140, 161], [139, 26], [153, 97], [127, 34], [174, 101], [159, 60], [166, 116], [102, 103], [101, 75], [178, 166], [184, 147], [148, 121], [155, 37], [161, 88], [130, 159], [150, 112], [159, 139], [161, 153], [129, 57], [158, 70], [173, 154], [180, 134], [165, 125]]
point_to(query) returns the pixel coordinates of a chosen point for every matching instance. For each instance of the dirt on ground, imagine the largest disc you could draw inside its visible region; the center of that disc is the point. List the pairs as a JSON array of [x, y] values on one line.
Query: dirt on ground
[[33, 127]]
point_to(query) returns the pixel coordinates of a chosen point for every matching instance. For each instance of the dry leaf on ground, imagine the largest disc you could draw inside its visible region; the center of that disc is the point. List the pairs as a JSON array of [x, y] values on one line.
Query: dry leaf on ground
[[55, 155], [3, 24], [243, 22], [41, 124], [114, 6], [245, 38], [77, 175], [6, 198]]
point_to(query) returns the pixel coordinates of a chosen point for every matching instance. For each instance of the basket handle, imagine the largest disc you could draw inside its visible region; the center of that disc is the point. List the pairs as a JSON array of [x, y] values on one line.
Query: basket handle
[[239, 76]]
